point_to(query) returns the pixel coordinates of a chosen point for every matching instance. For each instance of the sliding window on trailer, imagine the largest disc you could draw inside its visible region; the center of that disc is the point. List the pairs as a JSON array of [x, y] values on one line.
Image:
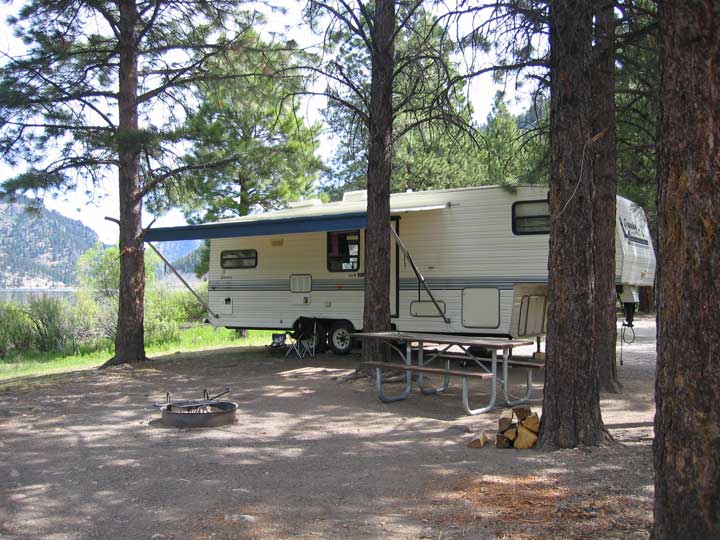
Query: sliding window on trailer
[[238, 258], [531, 217]]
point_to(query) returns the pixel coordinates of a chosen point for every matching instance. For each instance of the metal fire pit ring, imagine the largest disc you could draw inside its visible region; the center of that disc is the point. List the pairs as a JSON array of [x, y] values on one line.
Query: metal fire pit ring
[[222, 413]]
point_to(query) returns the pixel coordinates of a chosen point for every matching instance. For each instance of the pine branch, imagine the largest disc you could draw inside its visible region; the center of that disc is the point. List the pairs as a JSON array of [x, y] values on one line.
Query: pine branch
[[159, 179]]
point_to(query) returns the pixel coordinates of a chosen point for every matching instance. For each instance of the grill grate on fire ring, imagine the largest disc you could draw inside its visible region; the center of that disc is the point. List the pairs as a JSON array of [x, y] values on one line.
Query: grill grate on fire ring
[[200, 413]]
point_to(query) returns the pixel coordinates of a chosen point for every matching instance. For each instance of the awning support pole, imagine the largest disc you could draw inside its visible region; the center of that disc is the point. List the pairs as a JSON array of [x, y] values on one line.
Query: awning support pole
[[182, 279], [420, 277]]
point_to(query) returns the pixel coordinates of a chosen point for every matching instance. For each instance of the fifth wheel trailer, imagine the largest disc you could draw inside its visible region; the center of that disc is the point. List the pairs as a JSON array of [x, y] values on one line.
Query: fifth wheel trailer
[[470, 261]]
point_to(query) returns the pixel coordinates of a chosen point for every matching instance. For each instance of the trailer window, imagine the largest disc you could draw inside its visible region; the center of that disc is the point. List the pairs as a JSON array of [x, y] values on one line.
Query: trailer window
[[531, 217], [238, 258], [343, 251]]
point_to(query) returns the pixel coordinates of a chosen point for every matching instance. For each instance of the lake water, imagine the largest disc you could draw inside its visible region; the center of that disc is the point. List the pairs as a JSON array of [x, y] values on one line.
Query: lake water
[[22, 296]]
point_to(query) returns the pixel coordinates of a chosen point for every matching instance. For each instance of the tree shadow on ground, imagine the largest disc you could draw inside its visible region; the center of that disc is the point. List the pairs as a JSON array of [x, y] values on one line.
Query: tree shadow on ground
[[307, 458]]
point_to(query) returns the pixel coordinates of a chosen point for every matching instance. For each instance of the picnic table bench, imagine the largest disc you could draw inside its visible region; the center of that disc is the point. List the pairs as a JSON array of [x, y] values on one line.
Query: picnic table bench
[[414, 344]]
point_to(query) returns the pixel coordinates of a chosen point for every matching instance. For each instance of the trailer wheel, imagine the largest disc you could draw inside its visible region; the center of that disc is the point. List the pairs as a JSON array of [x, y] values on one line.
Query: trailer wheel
[[481, 352], [339, 337]]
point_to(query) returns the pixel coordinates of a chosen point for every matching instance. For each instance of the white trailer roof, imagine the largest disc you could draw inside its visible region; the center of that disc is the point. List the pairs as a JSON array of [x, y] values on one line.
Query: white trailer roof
[[306, 216]]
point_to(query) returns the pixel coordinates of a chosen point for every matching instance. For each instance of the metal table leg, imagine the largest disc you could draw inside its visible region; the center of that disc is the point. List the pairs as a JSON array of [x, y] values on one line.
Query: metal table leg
[[444, 386], [446, 379], [493, 391], [528, 372], [408, 380], [421, 363]]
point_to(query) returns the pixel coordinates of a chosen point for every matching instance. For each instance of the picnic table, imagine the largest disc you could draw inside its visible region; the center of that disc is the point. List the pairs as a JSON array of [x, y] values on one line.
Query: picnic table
[[451, 347]]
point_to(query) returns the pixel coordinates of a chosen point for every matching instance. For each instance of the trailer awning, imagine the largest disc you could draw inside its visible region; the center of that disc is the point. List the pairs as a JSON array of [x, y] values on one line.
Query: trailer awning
[[257, 228], [274, 223]]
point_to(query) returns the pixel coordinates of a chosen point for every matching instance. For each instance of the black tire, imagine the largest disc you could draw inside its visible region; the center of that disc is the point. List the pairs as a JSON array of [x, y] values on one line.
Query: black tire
[[321, 338], [339, 337], [481, 352]]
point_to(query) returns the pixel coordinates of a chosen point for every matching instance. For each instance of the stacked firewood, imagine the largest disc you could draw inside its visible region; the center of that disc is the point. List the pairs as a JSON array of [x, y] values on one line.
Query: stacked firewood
[[517, 428]]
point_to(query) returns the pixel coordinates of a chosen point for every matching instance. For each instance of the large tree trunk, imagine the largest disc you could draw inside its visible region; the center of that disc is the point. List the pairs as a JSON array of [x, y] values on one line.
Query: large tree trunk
[[571, 402], [376, 316], [687, 393], [604, 203], [129, 343]]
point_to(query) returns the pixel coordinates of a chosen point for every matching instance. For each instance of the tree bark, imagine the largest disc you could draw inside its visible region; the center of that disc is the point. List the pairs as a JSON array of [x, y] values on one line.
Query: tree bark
[[129, 342], [647, 296], [604, 202], [571, 402], [687, 394], [376, 316]]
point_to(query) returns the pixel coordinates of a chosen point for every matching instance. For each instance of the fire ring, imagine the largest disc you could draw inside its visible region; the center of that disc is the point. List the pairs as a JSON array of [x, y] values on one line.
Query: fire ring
[[215, 414]]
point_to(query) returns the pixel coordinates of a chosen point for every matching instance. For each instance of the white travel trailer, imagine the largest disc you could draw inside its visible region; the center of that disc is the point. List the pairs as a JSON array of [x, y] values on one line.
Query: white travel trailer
[[469, 261]]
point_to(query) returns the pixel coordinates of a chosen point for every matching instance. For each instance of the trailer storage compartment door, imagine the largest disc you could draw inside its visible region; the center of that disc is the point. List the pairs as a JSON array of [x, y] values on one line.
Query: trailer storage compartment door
[[529, 312], [481, 308]]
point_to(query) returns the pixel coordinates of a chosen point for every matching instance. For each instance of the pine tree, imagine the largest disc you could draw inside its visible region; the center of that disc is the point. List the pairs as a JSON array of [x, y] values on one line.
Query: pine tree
[[375, 79], [571, 398], [256, 118], [100, 91], [687, 422]]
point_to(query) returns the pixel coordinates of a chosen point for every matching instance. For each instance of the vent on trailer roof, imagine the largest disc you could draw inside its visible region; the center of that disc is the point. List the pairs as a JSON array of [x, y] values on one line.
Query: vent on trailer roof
[[354, 196], [305, 203]]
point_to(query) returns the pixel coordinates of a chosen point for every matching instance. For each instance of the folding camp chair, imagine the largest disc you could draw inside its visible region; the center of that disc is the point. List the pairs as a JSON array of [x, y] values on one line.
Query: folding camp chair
[[278, 343], [304, 336]]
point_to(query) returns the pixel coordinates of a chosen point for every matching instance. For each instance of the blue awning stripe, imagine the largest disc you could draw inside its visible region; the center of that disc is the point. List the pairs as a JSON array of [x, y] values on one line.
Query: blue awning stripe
[[302, 224]]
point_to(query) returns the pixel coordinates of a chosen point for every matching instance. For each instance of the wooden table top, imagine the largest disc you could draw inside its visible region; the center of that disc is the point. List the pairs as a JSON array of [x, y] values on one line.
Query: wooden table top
[[445, 339]]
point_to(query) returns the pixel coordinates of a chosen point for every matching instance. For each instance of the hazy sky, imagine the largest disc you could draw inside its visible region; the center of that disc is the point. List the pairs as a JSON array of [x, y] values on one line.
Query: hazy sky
[[76, 204]]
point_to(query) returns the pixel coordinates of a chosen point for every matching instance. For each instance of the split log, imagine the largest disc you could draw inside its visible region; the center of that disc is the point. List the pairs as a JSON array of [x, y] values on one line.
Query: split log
[[532, 422], [522, 412], [511, 433], [505, 421], [525, 438], [479, 440], [501, 441]]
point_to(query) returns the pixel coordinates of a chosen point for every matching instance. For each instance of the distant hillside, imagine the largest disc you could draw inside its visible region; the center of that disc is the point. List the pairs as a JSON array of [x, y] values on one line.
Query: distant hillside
[[189, 262], [39, 247], [179, 249]]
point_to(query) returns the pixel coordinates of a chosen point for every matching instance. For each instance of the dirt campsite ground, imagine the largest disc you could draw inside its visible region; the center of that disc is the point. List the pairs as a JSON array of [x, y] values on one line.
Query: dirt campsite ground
[[83, 456]]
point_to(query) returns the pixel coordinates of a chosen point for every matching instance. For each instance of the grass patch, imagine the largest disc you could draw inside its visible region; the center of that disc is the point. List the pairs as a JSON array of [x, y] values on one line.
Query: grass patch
[[30, 364]]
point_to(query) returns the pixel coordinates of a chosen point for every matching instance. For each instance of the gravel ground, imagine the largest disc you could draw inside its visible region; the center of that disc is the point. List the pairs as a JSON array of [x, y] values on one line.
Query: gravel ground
[[83, 456]]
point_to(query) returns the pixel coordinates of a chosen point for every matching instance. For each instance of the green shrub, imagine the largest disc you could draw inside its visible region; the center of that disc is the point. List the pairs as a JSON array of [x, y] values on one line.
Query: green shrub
[[162, 316], [98, 271], [16, 331], [180, 306], [159, 304], [96, 311], [106, 318], [51, 321], [49, 324], [187, 305], [161, 331], [192, 309]]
